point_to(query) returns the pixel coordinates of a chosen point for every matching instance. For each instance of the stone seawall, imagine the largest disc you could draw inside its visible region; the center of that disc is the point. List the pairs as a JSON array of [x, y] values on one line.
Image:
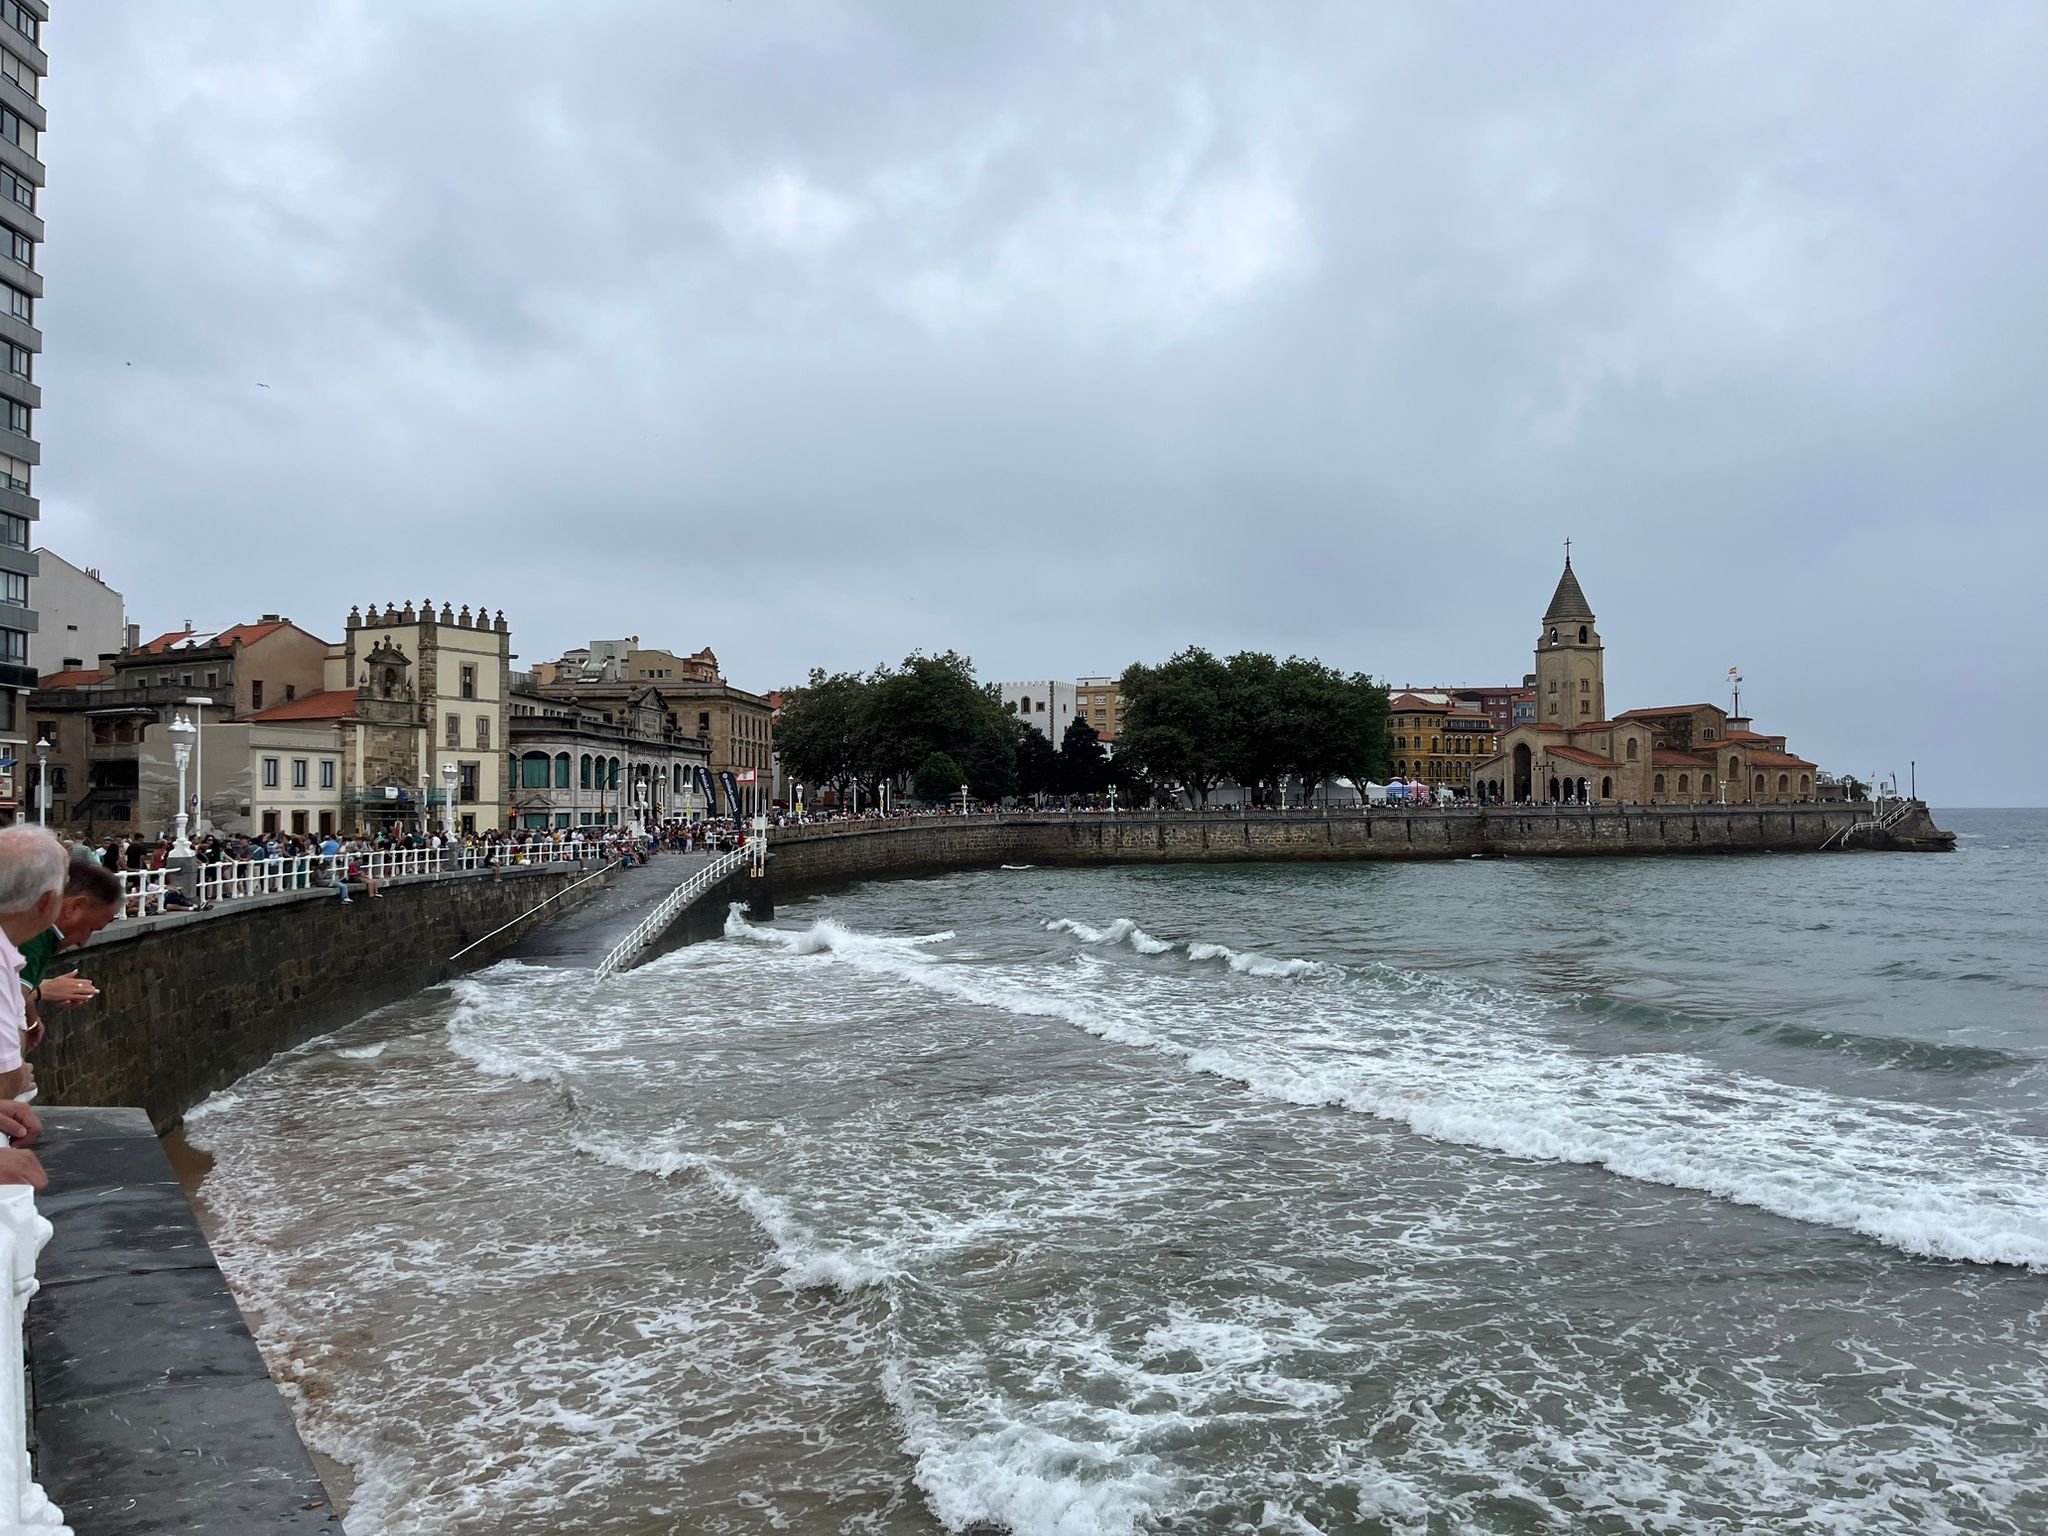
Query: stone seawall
[[831, 853], [188, 1004]]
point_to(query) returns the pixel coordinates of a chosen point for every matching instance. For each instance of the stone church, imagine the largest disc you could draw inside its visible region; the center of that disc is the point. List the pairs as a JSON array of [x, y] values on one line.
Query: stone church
[[1575, 753]]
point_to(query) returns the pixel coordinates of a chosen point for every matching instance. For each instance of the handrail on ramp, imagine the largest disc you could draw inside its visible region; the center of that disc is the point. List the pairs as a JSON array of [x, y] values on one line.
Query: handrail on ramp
[[657, 921]]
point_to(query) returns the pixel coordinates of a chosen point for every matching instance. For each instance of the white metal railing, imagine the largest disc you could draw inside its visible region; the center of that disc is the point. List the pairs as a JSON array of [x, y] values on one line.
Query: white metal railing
[[24, 1507], [656, 922], [143, 891]]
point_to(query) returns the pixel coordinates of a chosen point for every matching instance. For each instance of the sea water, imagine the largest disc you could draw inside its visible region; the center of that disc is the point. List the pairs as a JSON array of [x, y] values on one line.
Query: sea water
[[1655, 1195]]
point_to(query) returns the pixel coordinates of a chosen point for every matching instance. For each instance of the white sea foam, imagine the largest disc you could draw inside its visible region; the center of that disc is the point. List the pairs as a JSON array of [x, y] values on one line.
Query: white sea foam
[[361, 1052], [806, 1261], [1903, 1175], [1027, 1478], [1245, 962]]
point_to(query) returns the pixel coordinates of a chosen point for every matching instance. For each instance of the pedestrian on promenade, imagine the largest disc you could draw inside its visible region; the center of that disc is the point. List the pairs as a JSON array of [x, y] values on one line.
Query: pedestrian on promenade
[[32, 869]]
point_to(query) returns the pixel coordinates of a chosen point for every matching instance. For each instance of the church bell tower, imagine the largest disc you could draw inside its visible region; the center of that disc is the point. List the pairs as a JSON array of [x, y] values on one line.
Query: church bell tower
[[1571, 679]]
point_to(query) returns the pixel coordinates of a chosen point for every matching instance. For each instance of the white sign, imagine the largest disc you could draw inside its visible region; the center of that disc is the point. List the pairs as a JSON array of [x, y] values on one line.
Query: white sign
[[745, 778]]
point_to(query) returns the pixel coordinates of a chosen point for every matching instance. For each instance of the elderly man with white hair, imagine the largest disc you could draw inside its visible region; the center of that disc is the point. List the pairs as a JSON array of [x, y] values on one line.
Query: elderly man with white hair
[[33, 865]]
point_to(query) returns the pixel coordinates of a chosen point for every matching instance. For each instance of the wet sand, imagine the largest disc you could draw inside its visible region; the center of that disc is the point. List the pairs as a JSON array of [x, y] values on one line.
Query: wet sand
[[192, 1166]]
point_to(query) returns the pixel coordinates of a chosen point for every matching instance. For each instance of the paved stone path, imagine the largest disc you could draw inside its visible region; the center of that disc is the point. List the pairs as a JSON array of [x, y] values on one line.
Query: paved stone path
[[584, 935]]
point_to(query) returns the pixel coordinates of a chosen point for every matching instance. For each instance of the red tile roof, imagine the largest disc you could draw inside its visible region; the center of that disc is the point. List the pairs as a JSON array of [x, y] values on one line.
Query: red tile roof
[[1664, 709], [1664, 758], [1579, 756], [335, 704], [165, 641], [1409, 704], [248, 634], [1777, 760], [77, 677]]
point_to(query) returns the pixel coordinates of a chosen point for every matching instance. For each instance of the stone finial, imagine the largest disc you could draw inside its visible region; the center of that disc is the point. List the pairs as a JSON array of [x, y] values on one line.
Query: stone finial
[[483, 616], [447, 614], [462, 618], [355, 617], [502, 627], [390, 614], [405, 615]]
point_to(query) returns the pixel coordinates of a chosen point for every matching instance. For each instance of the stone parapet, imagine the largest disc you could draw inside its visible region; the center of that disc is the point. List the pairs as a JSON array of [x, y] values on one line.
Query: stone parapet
[[841, 851], [189, 1004]]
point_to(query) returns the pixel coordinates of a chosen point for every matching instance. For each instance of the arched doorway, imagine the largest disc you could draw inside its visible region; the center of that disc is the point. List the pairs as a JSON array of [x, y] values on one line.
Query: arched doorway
[[1556, 790], [1582, 791], [1606, 788], [1524, 788]]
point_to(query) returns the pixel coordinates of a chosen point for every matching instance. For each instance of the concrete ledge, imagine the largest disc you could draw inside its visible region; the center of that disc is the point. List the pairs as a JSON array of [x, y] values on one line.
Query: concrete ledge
[[153, 1411]]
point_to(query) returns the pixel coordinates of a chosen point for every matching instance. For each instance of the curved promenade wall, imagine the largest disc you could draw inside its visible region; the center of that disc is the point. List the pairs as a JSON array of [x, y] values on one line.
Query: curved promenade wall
[[190, 1003], [833, 852]]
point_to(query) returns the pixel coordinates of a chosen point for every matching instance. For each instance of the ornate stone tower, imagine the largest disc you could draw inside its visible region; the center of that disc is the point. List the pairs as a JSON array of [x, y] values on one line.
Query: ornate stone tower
[[1571, 673]]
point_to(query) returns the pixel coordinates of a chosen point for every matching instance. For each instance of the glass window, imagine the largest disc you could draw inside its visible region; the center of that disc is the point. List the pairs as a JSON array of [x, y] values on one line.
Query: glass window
[[13, 531], [327, 775], [20, 73], [20, 361], [22, 19], [13, 589], [453, 728], [469, 682], [16, 130], [270, 765], [299, 774], [19, 418], [20, 305], [483, 732], [533, 771], [21, 248], [561, 770], [19, 192]]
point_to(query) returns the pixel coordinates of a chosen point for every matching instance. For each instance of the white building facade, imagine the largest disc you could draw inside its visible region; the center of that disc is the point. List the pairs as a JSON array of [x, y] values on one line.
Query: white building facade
[[1048, 706], [81, 618]]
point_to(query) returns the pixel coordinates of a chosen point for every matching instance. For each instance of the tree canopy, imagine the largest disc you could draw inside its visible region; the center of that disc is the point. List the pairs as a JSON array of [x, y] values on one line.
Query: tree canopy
[[1193, 722], [844, 729]]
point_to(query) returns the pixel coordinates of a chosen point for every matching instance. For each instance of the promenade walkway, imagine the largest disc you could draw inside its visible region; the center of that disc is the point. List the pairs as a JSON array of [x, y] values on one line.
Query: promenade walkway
[[583, 936]]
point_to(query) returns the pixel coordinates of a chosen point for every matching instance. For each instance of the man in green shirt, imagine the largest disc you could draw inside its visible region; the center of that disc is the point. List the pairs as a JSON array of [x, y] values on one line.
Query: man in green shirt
[[92, 899]]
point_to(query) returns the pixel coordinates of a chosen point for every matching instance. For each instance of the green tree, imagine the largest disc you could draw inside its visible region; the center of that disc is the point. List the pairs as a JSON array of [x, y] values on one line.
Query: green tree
[[819, 734], [1081, 767], [1175, 720], [1038, 765], [1326, 724], [934, 705], [938, 779], [1252, 746]]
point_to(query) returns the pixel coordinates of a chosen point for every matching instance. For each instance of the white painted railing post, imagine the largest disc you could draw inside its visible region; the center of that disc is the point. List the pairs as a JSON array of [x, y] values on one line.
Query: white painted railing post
[[23, 1231]]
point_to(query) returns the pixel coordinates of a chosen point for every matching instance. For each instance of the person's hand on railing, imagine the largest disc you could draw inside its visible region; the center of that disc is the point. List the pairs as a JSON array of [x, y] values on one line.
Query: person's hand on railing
[[19, 1123], [19, 1167]]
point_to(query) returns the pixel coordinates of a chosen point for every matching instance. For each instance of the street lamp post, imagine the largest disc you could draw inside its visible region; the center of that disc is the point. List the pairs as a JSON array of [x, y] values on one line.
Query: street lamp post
[[198, 703], [43, 781], [963, 799], [182, 732], [448, 803], [1112, 799]]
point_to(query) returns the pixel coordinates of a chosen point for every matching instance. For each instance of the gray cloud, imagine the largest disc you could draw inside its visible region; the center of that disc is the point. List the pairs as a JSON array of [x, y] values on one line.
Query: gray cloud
[[1068, 335]]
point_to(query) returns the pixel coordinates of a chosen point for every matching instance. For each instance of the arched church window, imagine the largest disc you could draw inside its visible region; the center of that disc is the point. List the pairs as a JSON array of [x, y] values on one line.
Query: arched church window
[[1734, 768], [1435, 744], [1759, 784], [1582, 634], [1606, 788], [1553, 636], [390, 681], [1657, 785], [1805, 785], [1784, 784], [1631, 752], [1684, 783]]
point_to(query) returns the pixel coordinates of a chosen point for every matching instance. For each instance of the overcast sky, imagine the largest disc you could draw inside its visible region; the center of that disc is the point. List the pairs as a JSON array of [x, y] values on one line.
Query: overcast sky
[[1068, 335]]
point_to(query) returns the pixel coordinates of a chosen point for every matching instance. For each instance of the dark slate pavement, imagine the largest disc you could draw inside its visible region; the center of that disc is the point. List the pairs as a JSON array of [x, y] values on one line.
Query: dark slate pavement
[[584, 935], [153, 1411]]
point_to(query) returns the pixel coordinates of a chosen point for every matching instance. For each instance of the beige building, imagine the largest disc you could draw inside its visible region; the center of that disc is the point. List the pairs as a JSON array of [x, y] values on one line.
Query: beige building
[[736, 727], [1100, 701], [1687, 754], [413, 692]]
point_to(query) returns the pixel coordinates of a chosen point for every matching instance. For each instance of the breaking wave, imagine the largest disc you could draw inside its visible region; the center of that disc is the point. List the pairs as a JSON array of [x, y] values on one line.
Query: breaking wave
[[1244, 962], [1477, 1075]]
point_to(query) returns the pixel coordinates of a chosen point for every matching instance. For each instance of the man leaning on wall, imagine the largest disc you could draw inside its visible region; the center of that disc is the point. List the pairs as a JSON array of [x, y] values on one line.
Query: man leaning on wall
[[32, 870]]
